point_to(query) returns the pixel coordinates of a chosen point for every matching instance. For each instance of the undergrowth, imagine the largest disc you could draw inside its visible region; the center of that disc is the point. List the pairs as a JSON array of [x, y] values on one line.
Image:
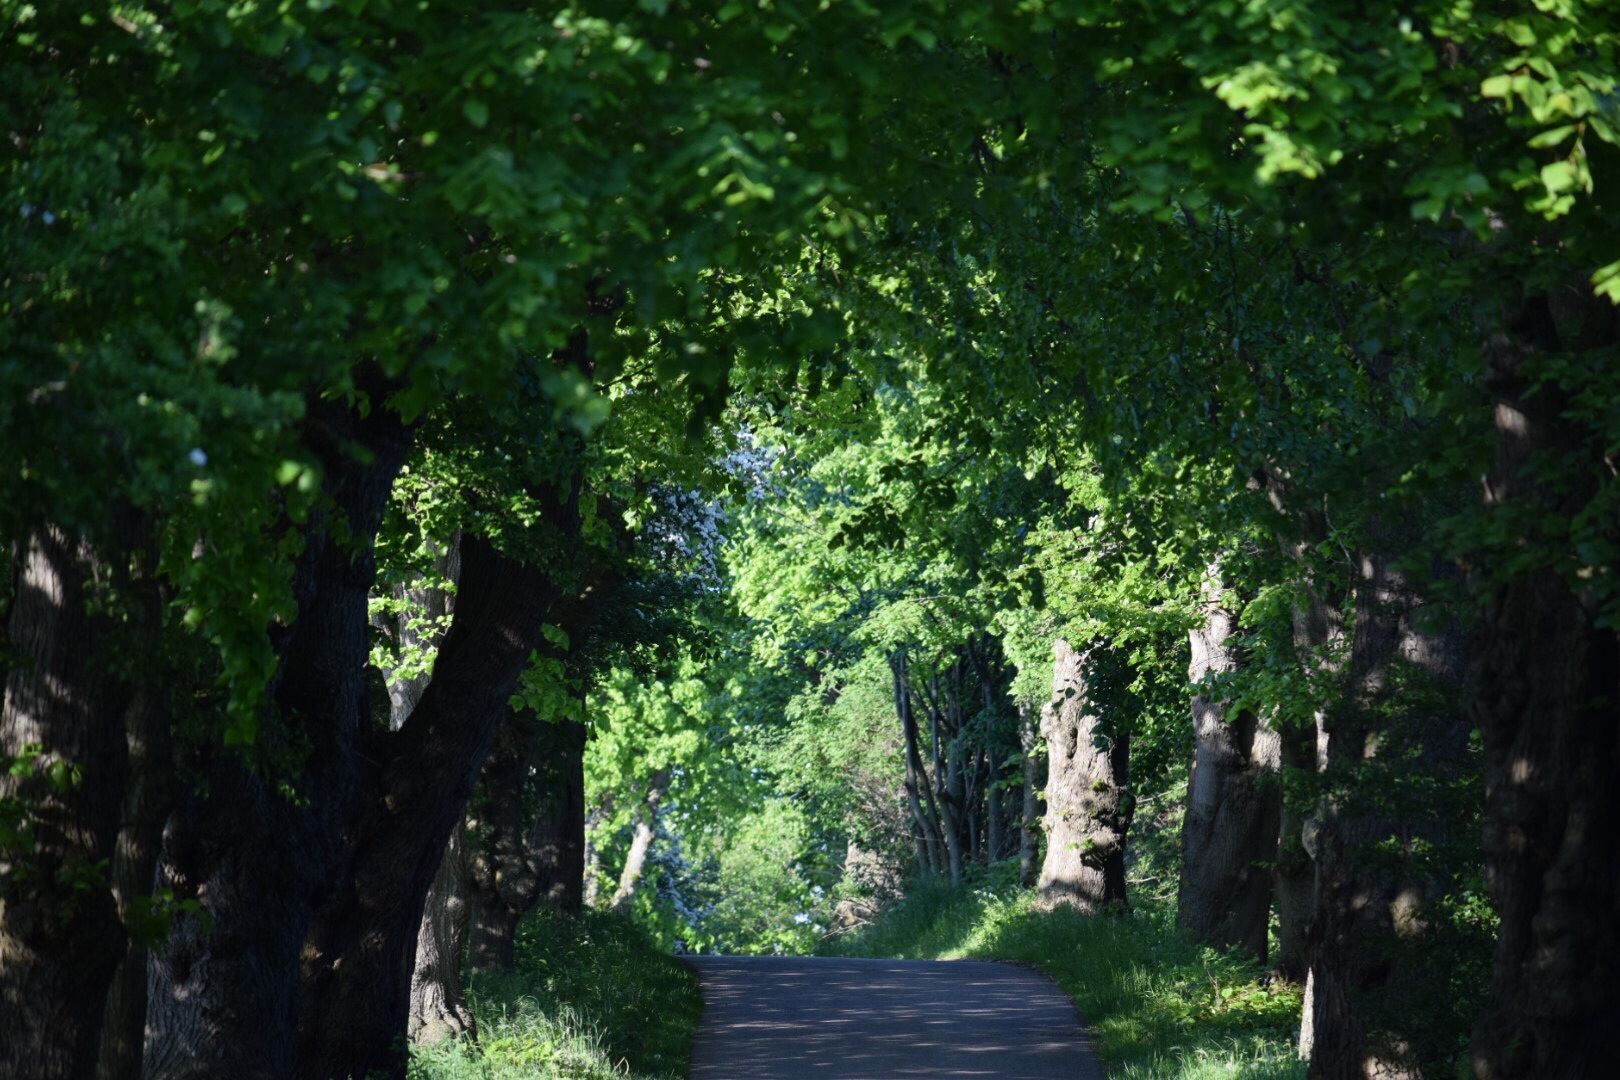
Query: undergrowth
[[588, 998], [1159, 1007]]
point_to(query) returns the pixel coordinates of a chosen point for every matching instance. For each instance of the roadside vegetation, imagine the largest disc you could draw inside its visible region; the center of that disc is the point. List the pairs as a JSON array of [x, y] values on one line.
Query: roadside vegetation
[[589, 997]]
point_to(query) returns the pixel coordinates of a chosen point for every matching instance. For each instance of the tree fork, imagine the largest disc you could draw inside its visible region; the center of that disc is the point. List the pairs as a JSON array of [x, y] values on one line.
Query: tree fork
[[357, 960]]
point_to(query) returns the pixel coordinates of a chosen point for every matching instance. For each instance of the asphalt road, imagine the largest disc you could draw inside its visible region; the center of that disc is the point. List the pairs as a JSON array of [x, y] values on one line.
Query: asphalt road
[[820, 1018]]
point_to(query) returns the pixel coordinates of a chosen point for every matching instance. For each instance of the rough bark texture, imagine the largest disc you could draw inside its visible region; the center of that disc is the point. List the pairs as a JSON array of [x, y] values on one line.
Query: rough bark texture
[[225, 987], [357, 959], [1234, 805], [592, 894], [641, 839], [1087, 794], [1397, 727], [439, 1008], [1549, 684], [60, 936]]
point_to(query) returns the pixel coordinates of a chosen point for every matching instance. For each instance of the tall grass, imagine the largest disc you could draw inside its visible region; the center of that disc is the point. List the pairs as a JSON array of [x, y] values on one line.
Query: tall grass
[[1159, 1007], [589, 998]]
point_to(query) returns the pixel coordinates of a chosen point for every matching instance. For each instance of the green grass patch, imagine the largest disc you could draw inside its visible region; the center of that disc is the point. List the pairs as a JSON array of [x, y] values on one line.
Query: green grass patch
[[589, 997], [1159, 1006]]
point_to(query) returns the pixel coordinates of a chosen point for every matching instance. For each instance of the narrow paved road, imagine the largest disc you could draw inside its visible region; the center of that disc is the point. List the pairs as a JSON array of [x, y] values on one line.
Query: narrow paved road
[[819, 1018]]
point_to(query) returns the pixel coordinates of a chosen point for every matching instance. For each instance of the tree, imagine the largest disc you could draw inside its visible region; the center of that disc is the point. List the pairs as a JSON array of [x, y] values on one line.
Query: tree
[[1088, 797], [260, 417]]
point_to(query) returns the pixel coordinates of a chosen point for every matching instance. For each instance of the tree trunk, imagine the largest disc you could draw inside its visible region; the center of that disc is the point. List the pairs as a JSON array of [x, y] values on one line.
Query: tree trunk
[[1293, 875], [415, 630], [635, 863], [530, 827], [995, 842], [593, 854], [1029, 841], [1234, 804], [1087, 794], [1395, 740], [438, 1001], [947, 793], [147, 802], [926, 824], [258, 846], [1548, 686], [61, 722], [1318, 628], [557, 835], [357, 960], [418, 629]]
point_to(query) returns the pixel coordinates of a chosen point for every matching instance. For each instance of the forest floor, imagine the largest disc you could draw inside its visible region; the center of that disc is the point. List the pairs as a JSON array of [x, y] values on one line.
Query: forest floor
[[1158, 1006]]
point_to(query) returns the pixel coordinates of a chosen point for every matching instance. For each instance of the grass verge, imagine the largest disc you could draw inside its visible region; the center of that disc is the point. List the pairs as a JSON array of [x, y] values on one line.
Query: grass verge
[[589, 997], [1159, 1006]]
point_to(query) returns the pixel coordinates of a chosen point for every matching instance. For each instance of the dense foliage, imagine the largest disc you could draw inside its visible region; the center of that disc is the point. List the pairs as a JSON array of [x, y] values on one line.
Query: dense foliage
[[852, 425]]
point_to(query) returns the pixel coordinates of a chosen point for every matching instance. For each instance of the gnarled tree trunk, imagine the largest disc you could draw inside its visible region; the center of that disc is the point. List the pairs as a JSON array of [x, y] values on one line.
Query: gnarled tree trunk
[[1088, 805], [1234, 803], [438, 1009], [357, 960]]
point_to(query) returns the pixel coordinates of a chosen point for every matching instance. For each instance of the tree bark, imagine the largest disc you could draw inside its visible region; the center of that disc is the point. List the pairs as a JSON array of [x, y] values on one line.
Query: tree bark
[[1234, 803], [530, 827], [1395, 739], [357, 958], [1087, 794], [1548, 706], [1318, 627], [259, 846], [635, 863], [147, 801], [61, 721], [439, 1008], [556, 841], [593, 855], [1029, 841], [926, 824]]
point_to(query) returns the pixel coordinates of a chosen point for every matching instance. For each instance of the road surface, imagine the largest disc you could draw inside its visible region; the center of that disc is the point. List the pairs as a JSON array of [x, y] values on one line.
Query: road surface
[[821, 1018]]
